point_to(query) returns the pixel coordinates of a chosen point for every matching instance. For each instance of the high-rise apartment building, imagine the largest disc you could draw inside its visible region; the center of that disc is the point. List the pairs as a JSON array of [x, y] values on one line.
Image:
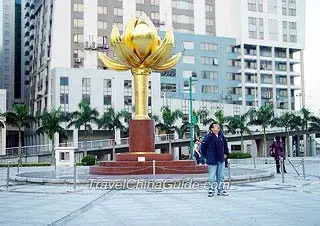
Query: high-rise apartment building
[[270, 36], [10, 50], [244, 52]]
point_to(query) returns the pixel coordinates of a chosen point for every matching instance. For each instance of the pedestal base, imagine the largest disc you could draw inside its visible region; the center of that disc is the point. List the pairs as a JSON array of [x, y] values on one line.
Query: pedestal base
[[141, 136]]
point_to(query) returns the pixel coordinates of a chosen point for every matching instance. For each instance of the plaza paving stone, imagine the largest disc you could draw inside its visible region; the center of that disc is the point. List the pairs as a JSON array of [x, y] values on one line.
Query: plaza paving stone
[[295, 202]]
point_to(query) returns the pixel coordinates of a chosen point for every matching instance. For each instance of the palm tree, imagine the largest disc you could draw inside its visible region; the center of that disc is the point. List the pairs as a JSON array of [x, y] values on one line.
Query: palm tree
[[315, 124], [21, 119], [219, 118], [113, 120], [84, 117], [262, 117], [238, 123], [169, 119], [50, 122], [306, 118], [286, 121]]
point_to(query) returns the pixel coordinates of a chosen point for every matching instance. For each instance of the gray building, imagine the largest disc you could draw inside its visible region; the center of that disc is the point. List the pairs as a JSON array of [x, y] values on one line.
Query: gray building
[[10, 50]]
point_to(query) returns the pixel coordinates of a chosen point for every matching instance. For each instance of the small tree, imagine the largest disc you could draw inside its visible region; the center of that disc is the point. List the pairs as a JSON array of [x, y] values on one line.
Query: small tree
[[21, 119], [219, 118], [238, 123], [262, 117], [113, 120], [84, 117], [169, 119], [50, 122]]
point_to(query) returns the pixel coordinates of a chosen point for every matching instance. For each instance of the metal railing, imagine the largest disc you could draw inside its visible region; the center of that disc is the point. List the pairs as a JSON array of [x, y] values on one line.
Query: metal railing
[[107, 143]]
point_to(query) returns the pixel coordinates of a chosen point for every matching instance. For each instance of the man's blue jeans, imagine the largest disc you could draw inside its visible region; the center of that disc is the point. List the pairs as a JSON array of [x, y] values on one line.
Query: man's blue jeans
[[216, 176]]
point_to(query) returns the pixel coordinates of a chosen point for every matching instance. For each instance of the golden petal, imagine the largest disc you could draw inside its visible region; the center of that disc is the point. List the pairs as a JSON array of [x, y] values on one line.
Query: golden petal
[[126, 55], [127, 35], [159, 57], [169, 37], [169, 64], [112, 64], [115, 36]]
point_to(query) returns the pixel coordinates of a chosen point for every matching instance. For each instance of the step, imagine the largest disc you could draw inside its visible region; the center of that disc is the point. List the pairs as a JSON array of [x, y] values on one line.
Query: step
[[148, 163], [149, 156]]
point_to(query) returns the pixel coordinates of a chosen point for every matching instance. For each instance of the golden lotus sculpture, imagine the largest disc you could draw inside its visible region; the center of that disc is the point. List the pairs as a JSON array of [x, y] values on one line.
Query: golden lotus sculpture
[[141, 50]]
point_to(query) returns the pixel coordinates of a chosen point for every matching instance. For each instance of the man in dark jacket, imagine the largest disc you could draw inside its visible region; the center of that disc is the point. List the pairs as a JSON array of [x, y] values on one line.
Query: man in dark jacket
[[213, 150]]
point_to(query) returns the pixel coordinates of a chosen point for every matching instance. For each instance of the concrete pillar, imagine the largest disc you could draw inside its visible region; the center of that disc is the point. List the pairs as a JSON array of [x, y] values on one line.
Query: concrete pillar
[[290, 147], [3, 141], [117, 135], [176, 149], [75, 138], [56, 140]]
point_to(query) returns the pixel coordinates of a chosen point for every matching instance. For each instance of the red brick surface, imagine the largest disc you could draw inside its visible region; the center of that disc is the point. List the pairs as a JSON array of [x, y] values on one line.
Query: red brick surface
[[141, 136]]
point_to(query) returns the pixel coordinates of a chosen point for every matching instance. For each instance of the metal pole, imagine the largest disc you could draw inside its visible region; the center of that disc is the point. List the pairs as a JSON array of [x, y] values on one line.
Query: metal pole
[[154, 170], [191, 124], [74, 176], [113, 150], [8, 175], [303, 168], [254, 162], [282, 169], [229, 172]]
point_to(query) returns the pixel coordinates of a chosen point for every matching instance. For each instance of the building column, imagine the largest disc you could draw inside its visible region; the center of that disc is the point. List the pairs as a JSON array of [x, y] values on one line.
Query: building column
[[75, 138], [258, 80], [274, 89], [288, 80], [243, 77], [303, 93]]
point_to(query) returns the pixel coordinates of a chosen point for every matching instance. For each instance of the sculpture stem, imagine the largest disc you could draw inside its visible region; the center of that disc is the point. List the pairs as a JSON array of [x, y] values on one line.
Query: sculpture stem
[[140, 77]]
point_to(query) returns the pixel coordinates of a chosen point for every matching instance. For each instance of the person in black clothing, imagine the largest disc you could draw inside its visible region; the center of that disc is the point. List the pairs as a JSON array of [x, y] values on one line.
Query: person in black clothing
[[197, 152], [213, 150]]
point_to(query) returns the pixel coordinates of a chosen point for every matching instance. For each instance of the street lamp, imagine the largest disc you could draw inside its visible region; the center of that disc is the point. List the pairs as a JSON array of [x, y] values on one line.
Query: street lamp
[[192, 118]]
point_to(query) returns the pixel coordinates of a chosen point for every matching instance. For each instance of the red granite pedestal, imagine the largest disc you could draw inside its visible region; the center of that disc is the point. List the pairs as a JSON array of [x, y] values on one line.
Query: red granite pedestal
[[139, 159]]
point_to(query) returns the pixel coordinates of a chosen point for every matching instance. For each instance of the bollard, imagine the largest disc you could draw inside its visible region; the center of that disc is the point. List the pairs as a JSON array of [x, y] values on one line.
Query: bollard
[[18, 168], [154, 170], [282, 169], [303, 168], [254, 162], [113, 150], [229, 172], [8, 175], [75, 176]]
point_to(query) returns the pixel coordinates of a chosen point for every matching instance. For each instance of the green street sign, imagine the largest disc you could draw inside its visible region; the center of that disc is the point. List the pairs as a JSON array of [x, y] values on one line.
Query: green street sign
[[194, 119]]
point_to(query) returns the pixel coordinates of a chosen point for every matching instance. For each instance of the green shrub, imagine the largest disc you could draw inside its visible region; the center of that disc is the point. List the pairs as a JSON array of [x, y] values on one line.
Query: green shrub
[[26, 164], [239, 155], [88, 160]]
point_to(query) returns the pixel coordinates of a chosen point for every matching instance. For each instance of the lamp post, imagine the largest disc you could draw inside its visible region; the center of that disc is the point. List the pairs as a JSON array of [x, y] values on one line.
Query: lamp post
[[192, 117]]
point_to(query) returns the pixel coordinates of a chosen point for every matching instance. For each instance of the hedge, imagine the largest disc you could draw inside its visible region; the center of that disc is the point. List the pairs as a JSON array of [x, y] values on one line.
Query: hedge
[[26, 164], [239, 155]]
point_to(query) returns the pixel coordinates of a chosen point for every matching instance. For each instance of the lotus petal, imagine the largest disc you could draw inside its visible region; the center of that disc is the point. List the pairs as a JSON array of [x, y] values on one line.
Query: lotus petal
[[169, 64], [127, 35], [115, 36], [126, 55], [112, 64], [159, 57]]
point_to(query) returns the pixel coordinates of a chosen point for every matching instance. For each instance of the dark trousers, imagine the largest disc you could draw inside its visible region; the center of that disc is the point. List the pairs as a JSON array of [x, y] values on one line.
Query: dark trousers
[[278, 166]]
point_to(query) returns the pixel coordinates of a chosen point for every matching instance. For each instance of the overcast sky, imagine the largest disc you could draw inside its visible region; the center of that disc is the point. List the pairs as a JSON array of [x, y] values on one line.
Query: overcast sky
[[312, 55]]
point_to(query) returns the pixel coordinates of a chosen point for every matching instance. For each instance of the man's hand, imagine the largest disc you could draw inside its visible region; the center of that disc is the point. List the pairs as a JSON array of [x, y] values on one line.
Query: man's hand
[[225, 156]]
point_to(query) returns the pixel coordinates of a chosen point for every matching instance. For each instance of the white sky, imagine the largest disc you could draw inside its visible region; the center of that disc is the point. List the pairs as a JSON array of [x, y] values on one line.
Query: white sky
[[312, 56]]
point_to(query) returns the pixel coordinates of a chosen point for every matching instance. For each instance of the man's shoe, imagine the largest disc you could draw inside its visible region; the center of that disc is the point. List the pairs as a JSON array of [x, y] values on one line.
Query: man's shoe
[[210, 194], [223, 193]]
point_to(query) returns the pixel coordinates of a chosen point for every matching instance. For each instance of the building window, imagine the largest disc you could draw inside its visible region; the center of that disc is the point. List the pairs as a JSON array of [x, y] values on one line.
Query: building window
[[168, 87], [188, 45], [155, 2], [154, 16], [102, 25], [107, 92], [86, 89], [64, 81], [118, 12], [103, 10], [77, 38], [77, 7], [208, 46], [169, 73], [229, 49], [64, 98], [182, 5], [210, 89], [293, 38], [182, 19], [128, 95], [140, 1], [209, 74], [209, 8], [78, 22], [78, 53], [209, 60], [188, 59], [272, 6], [233, 76]]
